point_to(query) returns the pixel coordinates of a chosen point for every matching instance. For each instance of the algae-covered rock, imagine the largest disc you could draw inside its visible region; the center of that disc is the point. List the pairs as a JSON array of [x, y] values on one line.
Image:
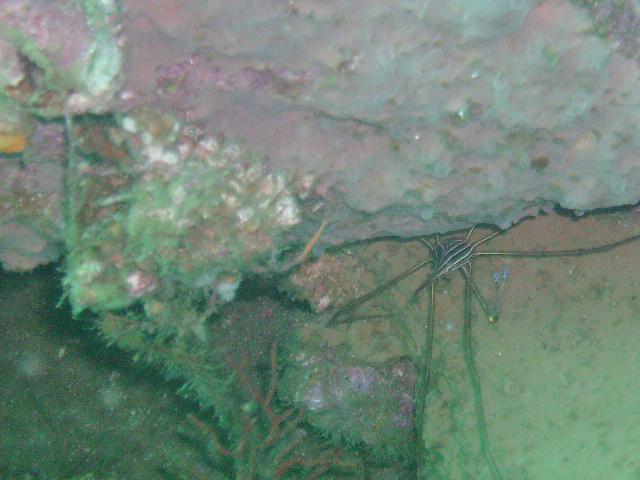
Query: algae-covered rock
[[61, 56], [354, 402], [32, 157], [157, 205], [619, 21], [420, 117], [202, 208]]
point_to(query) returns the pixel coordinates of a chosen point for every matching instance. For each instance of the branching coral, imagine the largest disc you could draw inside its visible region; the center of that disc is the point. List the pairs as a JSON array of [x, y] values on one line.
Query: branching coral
[[272, 440]]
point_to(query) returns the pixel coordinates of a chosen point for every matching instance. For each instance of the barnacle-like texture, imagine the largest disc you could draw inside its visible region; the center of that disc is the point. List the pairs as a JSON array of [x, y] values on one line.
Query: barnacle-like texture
[[158, 205], [202, 207], [422, 118]]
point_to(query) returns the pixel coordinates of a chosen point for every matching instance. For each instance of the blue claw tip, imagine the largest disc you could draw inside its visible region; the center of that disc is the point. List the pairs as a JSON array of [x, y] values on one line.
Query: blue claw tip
[[505, 273]]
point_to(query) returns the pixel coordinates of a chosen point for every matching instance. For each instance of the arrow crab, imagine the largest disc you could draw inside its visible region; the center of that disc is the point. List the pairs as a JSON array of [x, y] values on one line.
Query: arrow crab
[[456, 253]]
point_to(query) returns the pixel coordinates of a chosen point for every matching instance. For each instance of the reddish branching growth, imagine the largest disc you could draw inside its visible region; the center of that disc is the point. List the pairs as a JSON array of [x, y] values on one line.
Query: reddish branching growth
[[270, 444]]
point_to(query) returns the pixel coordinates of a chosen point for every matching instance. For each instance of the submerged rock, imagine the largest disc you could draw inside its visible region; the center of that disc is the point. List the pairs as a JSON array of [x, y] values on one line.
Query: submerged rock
[[354, 402]]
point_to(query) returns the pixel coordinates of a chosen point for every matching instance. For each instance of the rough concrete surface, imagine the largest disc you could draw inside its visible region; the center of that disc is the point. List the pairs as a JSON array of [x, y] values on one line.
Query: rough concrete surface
[[400, 118], [408, 117]]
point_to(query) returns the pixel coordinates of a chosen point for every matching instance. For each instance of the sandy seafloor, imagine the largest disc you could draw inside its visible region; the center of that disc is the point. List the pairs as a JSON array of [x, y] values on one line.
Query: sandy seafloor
[[560, 371], [70, 406]]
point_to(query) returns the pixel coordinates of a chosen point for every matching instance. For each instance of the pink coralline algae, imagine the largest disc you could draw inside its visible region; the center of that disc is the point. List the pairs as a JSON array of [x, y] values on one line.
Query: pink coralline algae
[[182, 82], [355, 401], [620, 21], [62, 56], [56, 59], [31, 200], [361, 379]]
